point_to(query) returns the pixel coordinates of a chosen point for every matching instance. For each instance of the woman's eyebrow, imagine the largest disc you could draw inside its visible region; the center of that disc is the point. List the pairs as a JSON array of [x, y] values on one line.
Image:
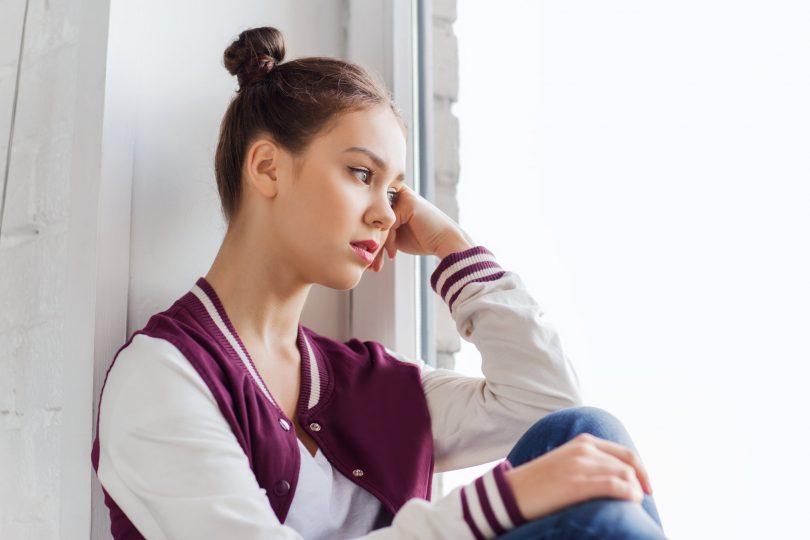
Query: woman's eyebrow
[[378, 161]]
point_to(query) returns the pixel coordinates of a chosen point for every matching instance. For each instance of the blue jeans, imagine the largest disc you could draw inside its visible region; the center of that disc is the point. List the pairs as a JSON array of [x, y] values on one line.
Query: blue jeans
[[602, 518]]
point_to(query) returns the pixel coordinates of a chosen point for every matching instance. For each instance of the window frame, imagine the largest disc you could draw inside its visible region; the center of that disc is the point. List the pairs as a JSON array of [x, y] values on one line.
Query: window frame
[[394, 307]]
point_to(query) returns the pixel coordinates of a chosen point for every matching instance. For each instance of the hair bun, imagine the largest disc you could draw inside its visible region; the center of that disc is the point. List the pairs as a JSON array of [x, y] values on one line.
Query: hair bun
[[254, 54]]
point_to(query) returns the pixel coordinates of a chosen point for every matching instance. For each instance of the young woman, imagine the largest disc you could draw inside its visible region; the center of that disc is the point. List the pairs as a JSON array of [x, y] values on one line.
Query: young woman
[[224, 417]]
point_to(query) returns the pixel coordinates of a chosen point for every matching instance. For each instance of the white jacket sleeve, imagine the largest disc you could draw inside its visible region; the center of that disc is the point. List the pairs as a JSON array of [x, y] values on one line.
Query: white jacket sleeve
[[170, 461], [526, 373]]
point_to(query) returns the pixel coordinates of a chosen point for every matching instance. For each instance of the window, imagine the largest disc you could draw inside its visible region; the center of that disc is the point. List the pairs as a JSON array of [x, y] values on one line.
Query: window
[[644, 167]]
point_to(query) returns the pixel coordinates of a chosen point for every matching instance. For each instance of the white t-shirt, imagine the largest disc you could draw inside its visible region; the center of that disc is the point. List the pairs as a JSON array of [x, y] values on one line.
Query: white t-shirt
[[326, 504]]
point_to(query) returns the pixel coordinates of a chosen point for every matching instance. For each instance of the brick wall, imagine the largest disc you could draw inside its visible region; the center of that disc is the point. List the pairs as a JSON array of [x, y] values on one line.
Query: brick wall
[[445, 152], [33, 256]]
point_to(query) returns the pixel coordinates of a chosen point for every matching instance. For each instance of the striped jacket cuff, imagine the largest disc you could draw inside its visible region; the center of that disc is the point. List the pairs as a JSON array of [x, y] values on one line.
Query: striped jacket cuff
[[489, 505], [462, 267]]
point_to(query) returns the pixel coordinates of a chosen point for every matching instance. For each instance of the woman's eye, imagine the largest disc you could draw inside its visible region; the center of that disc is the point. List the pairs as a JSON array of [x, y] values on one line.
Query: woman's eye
[[365, 172], [364, 175]]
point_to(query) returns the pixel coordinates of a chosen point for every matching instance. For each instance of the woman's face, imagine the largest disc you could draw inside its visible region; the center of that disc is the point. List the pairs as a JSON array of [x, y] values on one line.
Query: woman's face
[[341, 192]]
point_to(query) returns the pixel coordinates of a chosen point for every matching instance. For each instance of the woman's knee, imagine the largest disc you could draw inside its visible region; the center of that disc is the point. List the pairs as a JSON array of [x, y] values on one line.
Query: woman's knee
[[567, 423], [585, 418]]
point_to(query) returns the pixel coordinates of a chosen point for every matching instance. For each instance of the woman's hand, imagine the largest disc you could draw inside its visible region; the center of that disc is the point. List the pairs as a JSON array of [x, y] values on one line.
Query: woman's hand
[[420, 229], [586, 467]]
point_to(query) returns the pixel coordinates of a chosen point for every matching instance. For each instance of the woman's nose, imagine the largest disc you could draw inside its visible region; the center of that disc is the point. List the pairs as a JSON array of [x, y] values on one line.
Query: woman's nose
[[382, 214]]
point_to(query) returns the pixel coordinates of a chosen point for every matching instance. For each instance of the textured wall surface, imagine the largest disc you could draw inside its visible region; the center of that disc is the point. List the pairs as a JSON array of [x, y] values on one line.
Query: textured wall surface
[[33, 257], [446, 152]]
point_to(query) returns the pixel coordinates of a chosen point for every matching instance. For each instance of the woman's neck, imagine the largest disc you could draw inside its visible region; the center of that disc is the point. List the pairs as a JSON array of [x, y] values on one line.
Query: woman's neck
[[261, 297]]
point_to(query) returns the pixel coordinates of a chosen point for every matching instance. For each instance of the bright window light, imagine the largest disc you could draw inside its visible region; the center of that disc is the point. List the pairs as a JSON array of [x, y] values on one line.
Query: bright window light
[[645, 168]]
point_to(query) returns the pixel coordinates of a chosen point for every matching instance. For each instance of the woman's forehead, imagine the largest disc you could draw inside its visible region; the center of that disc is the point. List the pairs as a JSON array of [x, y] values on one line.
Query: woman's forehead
[[377, 131]]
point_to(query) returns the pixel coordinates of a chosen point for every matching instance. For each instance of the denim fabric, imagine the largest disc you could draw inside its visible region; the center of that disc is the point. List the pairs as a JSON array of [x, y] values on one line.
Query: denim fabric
[[602, 518]]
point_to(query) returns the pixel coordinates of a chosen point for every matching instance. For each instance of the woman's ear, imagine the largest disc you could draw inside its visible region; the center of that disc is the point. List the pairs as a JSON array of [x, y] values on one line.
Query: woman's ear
[[262, 166]]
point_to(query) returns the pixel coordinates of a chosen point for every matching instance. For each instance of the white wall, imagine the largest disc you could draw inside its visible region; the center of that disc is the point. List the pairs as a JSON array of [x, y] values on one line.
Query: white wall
[[179, 93], [644, 166], [33, 255]]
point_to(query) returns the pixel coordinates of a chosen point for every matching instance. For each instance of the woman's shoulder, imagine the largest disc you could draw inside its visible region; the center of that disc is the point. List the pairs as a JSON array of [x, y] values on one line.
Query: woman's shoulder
[[144, 350], [147, 361]]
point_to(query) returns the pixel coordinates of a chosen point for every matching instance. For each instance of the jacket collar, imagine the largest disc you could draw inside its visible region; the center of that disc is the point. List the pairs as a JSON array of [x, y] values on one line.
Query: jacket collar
[[314, 374]]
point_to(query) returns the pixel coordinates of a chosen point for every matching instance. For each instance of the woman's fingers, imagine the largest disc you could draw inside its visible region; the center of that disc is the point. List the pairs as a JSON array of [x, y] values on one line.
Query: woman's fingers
[[610, 485], [604, 464], [379, 259], [623, 453], [390, 244]]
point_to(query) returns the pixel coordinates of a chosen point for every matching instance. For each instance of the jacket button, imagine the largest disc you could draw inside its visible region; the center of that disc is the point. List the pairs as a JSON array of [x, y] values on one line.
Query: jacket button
[[284, 424], [357, 472], [281, 488], [315, 426]]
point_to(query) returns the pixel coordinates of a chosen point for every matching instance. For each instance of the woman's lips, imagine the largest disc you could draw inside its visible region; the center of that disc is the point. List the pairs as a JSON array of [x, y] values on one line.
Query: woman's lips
[[368, 245], [365, 255]]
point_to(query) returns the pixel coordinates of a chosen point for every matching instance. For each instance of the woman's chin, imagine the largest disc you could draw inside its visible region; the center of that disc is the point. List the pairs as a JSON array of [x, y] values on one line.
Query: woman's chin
[[346, 281]]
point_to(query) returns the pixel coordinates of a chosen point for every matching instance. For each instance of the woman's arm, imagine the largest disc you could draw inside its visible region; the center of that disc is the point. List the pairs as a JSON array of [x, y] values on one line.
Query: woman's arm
[[526, 373]]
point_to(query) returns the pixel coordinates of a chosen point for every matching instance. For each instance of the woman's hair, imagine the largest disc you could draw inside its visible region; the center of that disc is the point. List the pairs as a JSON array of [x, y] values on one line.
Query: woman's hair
[[291, 101]]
